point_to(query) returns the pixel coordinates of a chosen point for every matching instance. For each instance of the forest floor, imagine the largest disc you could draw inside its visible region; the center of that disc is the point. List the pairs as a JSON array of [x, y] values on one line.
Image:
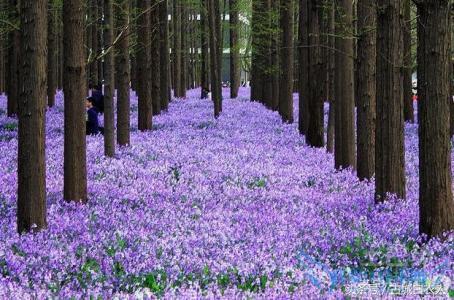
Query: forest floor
[[234, 207]]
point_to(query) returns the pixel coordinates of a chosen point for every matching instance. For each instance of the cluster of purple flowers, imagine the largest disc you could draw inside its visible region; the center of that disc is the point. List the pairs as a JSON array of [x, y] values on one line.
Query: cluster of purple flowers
[[198, 207]]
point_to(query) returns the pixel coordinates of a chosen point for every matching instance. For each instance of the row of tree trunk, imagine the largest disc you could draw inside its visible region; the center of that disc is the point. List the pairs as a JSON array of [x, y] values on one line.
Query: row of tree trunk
[[367, 64], [325, 69]]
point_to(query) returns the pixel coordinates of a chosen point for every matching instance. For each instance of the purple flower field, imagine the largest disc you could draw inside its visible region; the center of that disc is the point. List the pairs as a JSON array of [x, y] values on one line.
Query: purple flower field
[[201, 208]]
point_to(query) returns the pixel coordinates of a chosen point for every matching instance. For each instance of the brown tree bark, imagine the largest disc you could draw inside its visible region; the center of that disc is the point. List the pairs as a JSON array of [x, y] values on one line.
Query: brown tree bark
[[13, 62], [51, 55], [165, 55], [344, 145], [258, 54], [3, 47], [95, 35], [143, 67], [177, 57], [184, 50], [109, 84], [75, 171], [436, 206], [287, 60], [31, 201], [155, 58], [407, 70], [315, 132], [214, 18], [101, 70], [204, 40], [331, 76], [366, 87], [275, 56], [234, 49], [123, 102], [267, 59], [303, 65], [389, 141]]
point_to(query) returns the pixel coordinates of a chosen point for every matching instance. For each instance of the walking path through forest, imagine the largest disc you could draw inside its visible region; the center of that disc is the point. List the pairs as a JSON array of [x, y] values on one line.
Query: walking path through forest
[[200, 206]]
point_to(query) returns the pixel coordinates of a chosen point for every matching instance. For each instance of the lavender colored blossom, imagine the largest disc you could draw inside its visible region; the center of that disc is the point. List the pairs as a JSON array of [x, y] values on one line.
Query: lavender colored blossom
[[233, 207]]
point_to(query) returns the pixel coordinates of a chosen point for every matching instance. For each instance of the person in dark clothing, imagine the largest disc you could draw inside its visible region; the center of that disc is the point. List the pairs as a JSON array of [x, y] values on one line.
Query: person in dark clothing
[[205, 93], [98, 97], [92, 123]]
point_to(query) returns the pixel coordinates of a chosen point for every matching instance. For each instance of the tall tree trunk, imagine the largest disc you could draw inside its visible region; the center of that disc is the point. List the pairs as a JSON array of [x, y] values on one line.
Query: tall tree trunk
[[215, 50], [184, 50], [303, 66], [366, 109], [204, 39], [109, 85], [165, 56], [315, 132], [234, 49], [267, 86], [13, 62], [31, 201], [331, 76], [344, 145], [257, 51], [101, 70], [143, 67], [436, 206], [287, 60], [75, 170], [60, 53], [94, 42], [3, 46], [123, 102], [155, 58], [407, 84], [389, 142], [51, 55], [275, 50], [177, 61]]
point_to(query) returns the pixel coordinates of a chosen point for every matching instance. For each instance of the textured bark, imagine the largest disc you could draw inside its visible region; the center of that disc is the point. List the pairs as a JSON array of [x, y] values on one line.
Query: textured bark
[[267, 87], [155, 58], [287, 60], [234, 49], [109, 84], [177, 59], [214, 21], [123, 102], [51, 55], [75, 172], [344, 145], [165, 56], [436, 206], [94, 41], [101, 70], [184, 50], [3, 47], [257, 49], [143, 67], [303, 66], [204, 40], [407, 84], [331, 77], [366, 108], [389, 142], [275, 45], [13, 62], [315, 131], [31, 201], [60, 68]]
